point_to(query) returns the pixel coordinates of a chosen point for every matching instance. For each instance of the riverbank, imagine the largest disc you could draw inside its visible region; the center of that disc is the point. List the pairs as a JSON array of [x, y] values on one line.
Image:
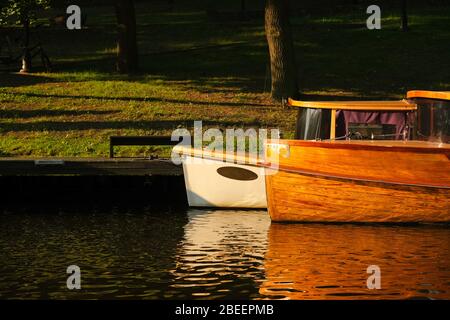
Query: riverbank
[[195, 67]]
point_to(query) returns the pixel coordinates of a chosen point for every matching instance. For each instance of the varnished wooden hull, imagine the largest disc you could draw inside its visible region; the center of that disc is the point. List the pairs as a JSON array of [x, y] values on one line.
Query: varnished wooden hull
[[319, 182]]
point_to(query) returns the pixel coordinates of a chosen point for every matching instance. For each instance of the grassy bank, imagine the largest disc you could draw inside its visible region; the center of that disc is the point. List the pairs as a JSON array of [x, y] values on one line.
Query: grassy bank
[[211, 68]]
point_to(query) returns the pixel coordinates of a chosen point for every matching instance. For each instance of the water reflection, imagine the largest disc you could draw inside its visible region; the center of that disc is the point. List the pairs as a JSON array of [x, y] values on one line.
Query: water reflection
[[212, 254], [122, 254], [314, 261], [222, 254]]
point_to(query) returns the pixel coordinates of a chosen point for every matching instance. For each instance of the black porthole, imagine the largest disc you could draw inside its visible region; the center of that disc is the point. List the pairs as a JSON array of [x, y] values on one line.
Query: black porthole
[[237, 173]]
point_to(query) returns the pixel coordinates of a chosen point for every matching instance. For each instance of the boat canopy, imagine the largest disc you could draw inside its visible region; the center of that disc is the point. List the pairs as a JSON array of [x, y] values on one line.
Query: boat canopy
[[354, 119]]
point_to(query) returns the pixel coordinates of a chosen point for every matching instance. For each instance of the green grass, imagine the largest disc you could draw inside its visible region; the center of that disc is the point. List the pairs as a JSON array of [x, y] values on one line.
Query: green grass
[[73, 111]]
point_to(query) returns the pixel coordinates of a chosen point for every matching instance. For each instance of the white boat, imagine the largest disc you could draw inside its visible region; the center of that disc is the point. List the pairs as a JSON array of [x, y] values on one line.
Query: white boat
[[212, 181]]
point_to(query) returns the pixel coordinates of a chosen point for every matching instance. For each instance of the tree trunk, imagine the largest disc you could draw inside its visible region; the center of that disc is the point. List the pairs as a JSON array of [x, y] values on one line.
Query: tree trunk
[[243, 6], [127, 53], [404, 25], [281, 49], [26, 56]]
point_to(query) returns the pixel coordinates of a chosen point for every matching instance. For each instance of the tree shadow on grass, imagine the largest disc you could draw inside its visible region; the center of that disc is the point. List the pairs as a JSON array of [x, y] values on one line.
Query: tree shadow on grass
[[105, 125], [18, 113], [22, 79], [239, 68], [145, 99]]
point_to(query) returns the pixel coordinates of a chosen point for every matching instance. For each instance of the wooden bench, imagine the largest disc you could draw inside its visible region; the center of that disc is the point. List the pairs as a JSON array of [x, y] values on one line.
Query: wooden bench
[[139, 141]]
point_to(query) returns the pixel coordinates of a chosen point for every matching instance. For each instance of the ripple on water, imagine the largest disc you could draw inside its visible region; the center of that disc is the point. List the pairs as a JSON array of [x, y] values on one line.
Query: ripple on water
[[212, 254]]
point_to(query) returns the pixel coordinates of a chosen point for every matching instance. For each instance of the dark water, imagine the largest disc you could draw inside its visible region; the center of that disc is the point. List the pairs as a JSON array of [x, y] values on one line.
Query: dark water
[[217, 254]]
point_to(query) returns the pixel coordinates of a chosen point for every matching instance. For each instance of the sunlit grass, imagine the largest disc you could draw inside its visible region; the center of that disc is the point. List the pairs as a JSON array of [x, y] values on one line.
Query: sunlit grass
[[224, 81]]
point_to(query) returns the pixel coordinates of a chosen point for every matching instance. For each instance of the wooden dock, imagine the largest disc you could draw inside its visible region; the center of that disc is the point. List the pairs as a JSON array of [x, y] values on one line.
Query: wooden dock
[[88, 166], [41, 181]]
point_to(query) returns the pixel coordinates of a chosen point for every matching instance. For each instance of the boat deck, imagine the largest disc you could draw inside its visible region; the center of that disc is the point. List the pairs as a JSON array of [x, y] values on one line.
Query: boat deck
[[393, 145]]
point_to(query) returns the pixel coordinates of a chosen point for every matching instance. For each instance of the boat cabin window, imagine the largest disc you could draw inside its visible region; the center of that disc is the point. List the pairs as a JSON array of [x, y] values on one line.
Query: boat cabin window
[[432, 120], [366, 131], [314, 124], [372, 125]]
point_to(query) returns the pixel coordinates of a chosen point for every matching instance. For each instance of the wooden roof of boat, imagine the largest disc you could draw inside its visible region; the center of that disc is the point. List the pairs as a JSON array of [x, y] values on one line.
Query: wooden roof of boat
[[439, 95], [401, 105]]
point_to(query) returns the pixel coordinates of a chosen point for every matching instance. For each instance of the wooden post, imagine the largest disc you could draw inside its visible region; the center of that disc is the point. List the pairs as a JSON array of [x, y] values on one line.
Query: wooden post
[[333, 124], [111, 148]]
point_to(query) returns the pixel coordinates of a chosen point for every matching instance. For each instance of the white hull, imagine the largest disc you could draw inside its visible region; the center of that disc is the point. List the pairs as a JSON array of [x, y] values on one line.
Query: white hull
[[215, 183]]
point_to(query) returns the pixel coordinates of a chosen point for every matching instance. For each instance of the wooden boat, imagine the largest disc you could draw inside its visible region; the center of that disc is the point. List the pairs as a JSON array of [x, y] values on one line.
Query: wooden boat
[[214, 179], [365, 180]]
